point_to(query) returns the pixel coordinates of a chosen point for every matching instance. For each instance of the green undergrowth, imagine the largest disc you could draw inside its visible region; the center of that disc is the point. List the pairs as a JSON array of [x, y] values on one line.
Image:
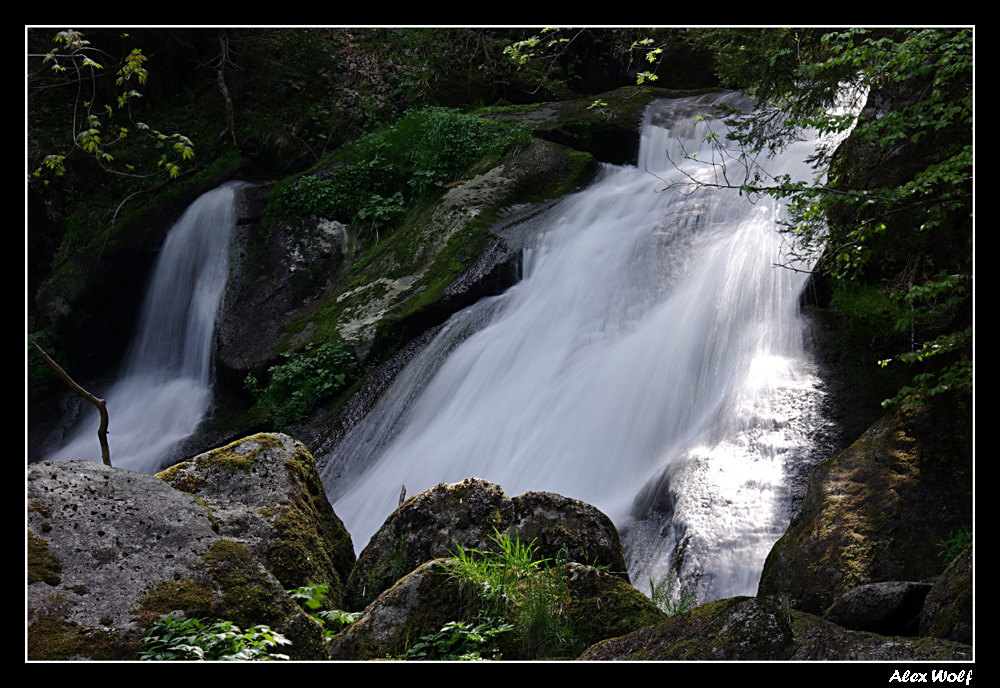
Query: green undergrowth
[[380, 177], [308, 377], [460, 640], [312, 597], [510, 581], [955, 543], [173, 638]]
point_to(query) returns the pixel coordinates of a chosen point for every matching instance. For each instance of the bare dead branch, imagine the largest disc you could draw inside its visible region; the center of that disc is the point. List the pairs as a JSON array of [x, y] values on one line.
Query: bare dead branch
[[102, 430]]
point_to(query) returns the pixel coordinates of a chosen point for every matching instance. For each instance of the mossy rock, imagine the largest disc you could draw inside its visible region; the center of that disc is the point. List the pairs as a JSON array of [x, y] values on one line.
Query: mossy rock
[[120, 549], [738, 628], [42, 564], [265, 492], [947, 611], [819, 640], [418, 604], [877, 511], [427, 526], [55, 639], [471, 513], [604, 606]]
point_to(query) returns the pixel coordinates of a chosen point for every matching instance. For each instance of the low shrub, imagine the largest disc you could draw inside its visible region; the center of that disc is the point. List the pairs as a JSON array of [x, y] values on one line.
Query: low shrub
[[307, 378], [173, 638], [388, 170]]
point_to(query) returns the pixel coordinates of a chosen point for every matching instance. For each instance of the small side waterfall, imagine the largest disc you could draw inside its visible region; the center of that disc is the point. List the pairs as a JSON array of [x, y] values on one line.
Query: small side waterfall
[[650, 363], [164, 389]]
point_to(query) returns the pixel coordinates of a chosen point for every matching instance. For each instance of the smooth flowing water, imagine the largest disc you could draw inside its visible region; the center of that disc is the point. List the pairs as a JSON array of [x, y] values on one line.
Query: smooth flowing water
[[165, 387], [649, 363]]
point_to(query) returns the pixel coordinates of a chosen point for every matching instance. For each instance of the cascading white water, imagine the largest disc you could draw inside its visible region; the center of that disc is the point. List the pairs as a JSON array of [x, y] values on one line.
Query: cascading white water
[[164, 389], [652, 341]]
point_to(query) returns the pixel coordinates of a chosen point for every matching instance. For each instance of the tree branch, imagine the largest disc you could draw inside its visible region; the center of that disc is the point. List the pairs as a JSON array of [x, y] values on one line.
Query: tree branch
[[102, 430]]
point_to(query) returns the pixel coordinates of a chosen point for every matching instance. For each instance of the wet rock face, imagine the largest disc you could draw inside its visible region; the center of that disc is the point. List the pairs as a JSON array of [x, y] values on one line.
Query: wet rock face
[[471, 513]]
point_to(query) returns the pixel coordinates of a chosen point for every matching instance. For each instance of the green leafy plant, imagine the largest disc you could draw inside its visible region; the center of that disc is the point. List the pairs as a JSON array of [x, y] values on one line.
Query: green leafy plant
[[955, 543], [459, 640], [311, 597], [307, 378], [73, 62], [545, 632], [493, 576], [173, 638]]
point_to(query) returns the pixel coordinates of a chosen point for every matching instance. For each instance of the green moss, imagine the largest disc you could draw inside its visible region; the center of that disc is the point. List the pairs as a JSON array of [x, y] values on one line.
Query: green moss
[[230, 459], [43, 566], [195, 598], [312, 545], [249, 598], [37, 507], [605, 606], [55, 640], [245, 597], [179, 479]]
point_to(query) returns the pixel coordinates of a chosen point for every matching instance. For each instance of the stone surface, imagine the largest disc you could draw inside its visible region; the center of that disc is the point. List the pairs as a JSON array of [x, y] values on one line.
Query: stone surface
[[111, 550], [739, 628], [588, 605], [264, 491], [947, 611], [877, 511], [889, 608], [747, 628], [431, 524]]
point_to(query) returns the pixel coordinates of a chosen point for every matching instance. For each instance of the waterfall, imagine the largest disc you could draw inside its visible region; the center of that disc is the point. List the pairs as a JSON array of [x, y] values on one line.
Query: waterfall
[[650, 363], [165, 387]]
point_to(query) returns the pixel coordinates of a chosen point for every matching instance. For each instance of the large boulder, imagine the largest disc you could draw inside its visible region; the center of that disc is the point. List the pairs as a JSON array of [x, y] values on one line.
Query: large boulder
[[889, 608], [419, 604], [110, 551], [573, 606], [264, 492], [878, 511], [471, 513], [735, 628]]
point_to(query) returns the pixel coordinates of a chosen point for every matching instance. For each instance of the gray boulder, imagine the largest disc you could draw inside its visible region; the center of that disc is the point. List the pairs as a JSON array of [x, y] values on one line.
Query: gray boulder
[[110, 551], [264, 492], [889, 608], [573, 606], [747, 628], [947, 611], [431, 524]]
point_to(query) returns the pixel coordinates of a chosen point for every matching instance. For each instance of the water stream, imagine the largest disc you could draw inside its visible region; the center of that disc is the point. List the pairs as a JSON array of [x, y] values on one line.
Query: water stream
[[650, 363], [165, 386]]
